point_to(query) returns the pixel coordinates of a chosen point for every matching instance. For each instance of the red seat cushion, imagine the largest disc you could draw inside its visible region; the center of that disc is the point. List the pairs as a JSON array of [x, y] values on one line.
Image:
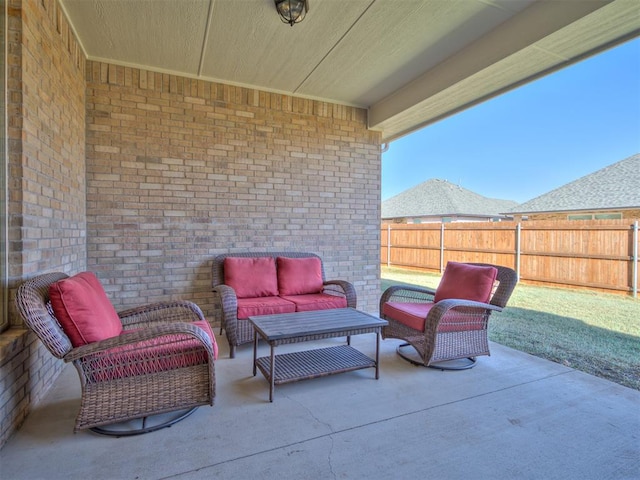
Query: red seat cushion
[[151, 356], [316, 301], [468, 282], [83, 309], [251, 277], [299, 276], [248, 307], [412, 315]]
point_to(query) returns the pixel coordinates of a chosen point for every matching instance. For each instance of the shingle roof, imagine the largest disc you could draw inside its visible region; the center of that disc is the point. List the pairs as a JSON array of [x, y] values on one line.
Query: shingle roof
[[441, 198], [615, 186]]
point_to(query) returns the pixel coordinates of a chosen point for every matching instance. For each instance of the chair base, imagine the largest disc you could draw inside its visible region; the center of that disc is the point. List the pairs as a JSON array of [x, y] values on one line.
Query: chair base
[[413, 358], [125, 429]]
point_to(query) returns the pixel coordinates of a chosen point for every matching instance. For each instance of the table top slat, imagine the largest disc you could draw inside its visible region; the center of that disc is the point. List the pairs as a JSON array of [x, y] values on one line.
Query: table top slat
[[317, 322]]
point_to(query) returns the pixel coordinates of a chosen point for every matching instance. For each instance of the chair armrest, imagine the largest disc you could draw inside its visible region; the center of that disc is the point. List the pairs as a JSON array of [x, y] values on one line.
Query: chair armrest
[[142, 335], [407, 293], [160, 312], [463, 307], [342, 287], [444, 306]]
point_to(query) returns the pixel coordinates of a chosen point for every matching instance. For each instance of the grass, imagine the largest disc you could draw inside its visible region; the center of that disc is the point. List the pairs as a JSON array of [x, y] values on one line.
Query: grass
[[593, 332]]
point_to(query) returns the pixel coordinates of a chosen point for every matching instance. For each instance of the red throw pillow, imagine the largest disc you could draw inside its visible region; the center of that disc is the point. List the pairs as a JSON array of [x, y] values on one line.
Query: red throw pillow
[[467, 282], [83, 309], [251, 277], [298, 276]]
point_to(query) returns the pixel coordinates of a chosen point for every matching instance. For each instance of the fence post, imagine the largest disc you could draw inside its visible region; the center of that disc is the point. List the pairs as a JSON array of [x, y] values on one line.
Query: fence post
[[441, 247], [635, 259], [518, 233], [388, 245]]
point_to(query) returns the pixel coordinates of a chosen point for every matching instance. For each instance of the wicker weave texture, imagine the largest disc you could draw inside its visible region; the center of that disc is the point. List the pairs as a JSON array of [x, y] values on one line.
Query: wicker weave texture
[[240, 331], [33, 304], [319, 362], [453, 328], [175, 359], [279, 329]]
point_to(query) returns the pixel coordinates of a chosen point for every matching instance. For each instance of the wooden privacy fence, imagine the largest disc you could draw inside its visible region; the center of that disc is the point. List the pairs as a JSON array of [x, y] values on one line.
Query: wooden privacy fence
[[596, 254]]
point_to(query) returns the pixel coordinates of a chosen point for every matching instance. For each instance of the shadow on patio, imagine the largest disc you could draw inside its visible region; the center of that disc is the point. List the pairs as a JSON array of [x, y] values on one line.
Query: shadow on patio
[[512, 416]]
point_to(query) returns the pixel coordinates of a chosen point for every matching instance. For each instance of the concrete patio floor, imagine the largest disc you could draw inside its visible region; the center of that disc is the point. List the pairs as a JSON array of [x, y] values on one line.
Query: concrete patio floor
[[512, 416]]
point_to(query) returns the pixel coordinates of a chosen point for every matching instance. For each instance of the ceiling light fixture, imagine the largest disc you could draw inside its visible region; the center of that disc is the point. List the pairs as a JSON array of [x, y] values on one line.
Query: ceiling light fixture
[[292, 11]]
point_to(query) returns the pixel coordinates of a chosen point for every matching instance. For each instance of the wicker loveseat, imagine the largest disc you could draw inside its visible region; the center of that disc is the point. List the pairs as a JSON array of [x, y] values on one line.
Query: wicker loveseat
[[262, 283]]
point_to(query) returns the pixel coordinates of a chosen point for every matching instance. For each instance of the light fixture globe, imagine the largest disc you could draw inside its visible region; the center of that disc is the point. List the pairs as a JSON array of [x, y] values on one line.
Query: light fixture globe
[[292, 11]]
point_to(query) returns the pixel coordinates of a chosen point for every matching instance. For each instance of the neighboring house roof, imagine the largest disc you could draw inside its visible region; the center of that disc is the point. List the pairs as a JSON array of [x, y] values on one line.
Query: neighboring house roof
[[615, 186], [440, 198]]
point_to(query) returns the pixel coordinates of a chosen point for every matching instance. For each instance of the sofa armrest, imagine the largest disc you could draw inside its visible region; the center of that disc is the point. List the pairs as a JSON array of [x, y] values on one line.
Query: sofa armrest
[[228, 303], [342, 287], [228, 297]]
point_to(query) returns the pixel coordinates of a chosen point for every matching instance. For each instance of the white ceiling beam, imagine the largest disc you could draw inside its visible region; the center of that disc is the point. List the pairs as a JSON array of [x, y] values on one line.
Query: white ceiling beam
[[526, 28]]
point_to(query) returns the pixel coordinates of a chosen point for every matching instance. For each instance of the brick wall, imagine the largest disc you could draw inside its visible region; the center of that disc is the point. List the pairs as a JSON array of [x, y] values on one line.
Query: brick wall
[[179, 170], [47, 230], [46, 150], [165, 173]]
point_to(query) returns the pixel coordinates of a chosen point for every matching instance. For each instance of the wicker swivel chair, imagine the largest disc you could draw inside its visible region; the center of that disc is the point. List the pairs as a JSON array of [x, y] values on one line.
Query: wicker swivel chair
[[441, 330], [161, 363]]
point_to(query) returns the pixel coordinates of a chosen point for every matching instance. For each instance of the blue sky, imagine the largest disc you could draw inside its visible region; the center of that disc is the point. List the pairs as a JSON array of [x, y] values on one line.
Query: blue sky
[[533, 139]]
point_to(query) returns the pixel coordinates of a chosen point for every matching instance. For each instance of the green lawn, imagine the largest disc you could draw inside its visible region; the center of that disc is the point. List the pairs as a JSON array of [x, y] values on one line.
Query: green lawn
[[593, 332]]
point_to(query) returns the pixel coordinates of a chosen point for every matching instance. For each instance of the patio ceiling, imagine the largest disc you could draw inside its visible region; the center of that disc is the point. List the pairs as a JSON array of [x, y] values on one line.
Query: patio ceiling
[[409, 62]]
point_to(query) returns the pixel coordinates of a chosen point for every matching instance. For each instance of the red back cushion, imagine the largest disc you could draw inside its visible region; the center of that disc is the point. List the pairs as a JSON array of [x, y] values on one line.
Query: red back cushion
[[83, 309], [251, 277], [467, 282], [298, 276]]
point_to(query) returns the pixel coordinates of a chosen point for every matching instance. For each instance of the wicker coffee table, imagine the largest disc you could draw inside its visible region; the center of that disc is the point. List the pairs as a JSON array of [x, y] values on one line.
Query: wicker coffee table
[[297, 327]]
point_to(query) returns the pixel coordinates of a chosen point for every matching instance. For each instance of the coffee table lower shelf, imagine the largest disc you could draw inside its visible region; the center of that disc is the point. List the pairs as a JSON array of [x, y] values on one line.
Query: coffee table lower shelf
[[307, 364]]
